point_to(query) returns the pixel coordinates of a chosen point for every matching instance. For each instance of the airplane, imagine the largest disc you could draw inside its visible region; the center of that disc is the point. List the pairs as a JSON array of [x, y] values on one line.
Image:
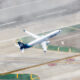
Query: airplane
[[43, 40]]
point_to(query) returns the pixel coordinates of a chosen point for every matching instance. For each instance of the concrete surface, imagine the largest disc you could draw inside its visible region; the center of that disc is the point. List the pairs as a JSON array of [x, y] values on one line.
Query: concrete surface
[[20, 12]]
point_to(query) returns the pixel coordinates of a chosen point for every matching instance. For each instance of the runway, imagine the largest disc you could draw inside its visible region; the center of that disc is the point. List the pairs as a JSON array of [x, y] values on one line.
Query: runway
[[24, 12]]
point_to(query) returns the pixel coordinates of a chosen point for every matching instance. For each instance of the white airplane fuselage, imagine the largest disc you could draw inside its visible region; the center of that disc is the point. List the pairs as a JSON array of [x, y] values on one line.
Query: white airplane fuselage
[[44, 38]]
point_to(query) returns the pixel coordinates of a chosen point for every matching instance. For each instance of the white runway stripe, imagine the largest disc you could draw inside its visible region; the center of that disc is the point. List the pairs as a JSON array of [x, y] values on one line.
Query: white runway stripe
[[8, 23]]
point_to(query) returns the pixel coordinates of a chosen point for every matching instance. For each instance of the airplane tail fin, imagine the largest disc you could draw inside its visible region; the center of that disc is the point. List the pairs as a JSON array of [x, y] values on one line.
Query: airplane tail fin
[[21, 45]]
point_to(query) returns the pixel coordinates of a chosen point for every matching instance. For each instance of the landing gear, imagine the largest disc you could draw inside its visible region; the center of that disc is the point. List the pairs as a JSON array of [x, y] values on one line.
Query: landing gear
[[45, 51]]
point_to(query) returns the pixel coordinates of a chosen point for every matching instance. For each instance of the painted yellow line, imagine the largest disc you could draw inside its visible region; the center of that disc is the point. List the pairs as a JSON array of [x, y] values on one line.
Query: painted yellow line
[[54, 61], [31, 77], [17, 76]]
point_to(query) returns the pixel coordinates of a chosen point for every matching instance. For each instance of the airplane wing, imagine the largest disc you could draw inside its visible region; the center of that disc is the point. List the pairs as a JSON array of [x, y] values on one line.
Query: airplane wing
[[31, 34], [44, 46]]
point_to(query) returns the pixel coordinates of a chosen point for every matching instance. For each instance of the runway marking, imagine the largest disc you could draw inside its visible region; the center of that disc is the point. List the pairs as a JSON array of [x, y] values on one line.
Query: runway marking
[[51, 13], [34, 66], [28, 2], [7, 23], [14, 6], [17, 75]]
